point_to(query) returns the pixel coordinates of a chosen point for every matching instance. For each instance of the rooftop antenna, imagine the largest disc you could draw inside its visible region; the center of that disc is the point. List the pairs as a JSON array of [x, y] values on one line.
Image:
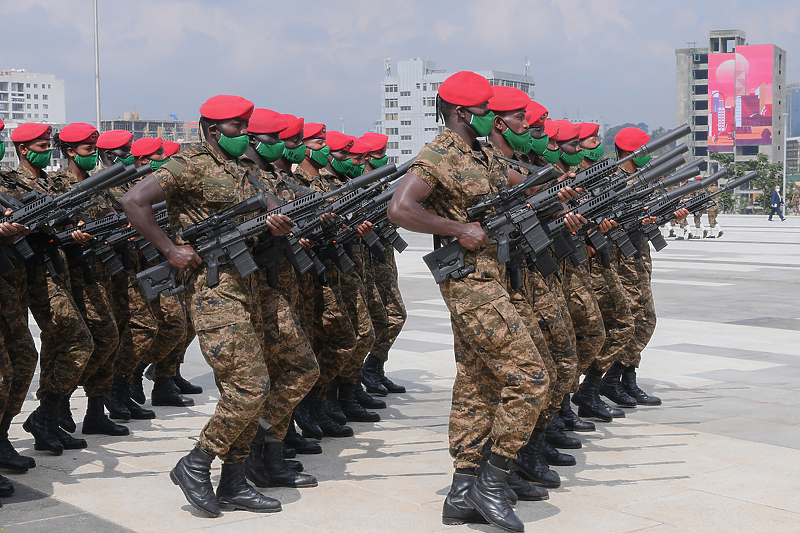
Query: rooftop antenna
[[527, 66], [387, 67]]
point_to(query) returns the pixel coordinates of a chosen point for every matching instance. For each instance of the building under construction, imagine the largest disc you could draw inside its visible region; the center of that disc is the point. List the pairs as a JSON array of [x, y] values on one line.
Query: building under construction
[[170, 130]]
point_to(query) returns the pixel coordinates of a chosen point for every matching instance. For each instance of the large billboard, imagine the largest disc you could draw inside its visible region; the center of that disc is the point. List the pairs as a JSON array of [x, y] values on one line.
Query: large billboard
[[740, 98]]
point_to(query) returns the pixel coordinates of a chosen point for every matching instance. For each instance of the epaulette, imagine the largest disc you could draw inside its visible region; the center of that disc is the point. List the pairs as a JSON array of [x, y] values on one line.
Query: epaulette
[[174, 168], [430, 156]]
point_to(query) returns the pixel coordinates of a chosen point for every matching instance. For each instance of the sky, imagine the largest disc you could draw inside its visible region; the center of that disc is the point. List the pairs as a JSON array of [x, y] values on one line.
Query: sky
[[324, 60]]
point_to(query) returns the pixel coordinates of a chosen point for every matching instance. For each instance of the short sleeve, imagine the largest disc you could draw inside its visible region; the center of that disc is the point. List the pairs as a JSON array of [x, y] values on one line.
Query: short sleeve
[[170, 176], [426, 166]]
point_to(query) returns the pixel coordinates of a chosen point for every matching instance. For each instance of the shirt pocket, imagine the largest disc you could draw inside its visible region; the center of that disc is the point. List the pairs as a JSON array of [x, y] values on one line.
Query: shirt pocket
[[474, 183], [219, 189]]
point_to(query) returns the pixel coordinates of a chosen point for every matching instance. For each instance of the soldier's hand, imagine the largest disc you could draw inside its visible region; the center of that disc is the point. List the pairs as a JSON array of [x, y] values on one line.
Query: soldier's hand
[[590, 252], [184, 258], [329, 219], [567, 193], [306, 243], [574, 221], [651, 220], [606, 225], [279, 224], [473, 237], [681, 214], [364, 228], [80, 237], [7, 229]]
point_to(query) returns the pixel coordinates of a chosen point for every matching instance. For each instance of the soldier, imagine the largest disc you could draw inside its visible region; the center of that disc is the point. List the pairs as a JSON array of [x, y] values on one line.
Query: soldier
[[199, 180], [500, 359], [373, 374], [715, 231]]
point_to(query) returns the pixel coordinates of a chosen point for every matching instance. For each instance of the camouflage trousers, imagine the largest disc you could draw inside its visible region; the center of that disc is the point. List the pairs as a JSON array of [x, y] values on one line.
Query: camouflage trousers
[[714, 211], [6, 373], [501, 381], [354, 284], [292, 366], [226, 319], [334, 337], [135, 321], [635, 276], [170, 344], [547, 300], [67, 342], [584, 311], [92, 300], [617, 318], [385, 276], [22, 354]]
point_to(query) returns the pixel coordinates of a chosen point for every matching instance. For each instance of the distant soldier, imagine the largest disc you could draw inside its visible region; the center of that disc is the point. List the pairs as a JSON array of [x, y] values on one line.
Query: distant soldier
[[795, 200]]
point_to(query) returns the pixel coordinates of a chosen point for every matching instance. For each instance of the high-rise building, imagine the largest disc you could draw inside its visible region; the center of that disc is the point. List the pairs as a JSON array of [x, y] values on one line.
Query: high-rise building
[[169, 130], [408, 112], [793, 99], [793, 157], [733, 96], [30, 97]]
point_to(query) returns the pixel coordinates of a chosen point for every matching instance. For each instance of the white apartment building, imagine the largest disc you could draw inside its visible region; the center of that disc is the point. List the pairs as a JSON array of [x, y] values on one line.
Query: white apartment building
[[408, 112]]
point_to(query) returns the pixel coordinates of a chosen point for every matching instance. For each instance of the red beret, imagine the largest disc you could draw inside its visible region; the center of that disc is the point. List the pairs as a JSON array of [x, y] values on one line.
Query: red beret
[[171, 148], [266, 121], [30, 131], [588, 129], [359, 146], [145, 146], [338, 141], [313, 129], [376, 141], [295, 126], [2, 125], [551, 129], [535, 113], [111, 139], [466, 88], [78, 132], [508, 99], [567, 130], [225, 106], [631, 139]]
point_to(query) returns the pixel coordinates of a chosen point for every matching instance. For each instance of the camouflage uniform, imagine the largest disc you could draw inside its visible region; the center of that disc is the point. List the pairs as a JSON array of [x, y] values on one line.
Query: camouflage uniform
[[385, 278], [795, 202], [617, 318], [635, 276], [356, 283], [714, 211], [225, 317], [501, 381], [6, 372]]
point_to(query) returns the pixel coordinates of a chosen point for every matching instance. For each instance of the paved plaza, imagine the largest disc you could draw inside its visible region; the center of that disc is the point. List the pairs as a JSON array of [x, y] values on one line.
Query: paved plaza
[[721, 455]]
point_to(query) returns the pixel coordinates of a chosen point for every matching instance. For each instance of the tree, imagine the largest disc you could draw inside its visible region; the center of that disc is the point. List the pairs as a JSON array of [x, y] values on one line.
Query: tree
[[769, 175]]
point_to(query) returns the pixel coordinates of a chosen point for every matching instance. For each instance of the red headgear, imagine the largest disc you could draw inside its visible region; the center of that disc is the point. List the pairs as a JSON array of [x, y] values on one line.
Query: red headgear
[[466, 88], [225, 106]]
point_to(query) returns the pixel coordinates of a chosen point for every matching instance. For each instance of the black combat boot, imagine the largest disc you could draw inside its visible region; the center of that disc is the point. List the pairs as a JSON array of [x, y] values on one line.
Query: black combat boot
[[97, 423], [488, 495], [165, 392], [524, 490], [137, 411], [365, 400], [69, 442], [115, 402], [555, 457], [630, 386], [183, 384], [455, 510], [571, 421], [254, 464], [279, 473], [390, 385], [10, 459], [352, 409], [371, 377], [331, 403], [137, 389], [65, 420], [6, 488], [329, 426], [556, 437], [611, 387], [288, 451], [486, 453], [305, 417], [299, 443], [615, 412], [531, 465], [234, 493], [42, 424], [150, 372], [588, 397], [193, 475]]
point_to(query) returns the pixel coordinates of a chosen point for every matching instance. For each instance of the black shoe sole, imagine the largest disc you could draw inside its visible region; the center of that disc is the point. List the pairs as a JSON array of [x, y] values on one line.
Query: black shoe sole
[[573, 462], [377, 392], [490, 521], [460, 521], [234, 507], [168, 404], [175, 481], [584, 413], [36, 443], [565, 446], [14, 468], [579, 430], [338, 436]]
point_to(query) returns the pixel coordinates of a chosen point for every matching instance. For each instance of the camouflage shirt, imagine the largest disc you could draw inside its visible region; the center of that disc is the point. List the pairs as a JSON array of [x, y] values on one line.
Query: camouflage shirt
[[306, 179], [460, 177], [102, 208]]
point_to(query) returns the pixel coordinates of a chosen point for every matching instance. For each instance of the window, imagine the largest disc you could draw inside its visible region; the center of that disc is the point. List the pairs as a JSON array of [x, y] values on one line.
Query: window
[[430, 114], [392, 131], [44, 106], [36, 106], [36, 115], [405, 122], [44, 97], [432, 129], [405, 93], [405, 152], [45, 116], [29, 115], [435, 86], [405, 108], [28, 85], [36, 96], [29, 106], [391, 116], [4, 97], [429, 101], [27, 95], [424, 86], [405, 137], [418, 86], [392, 145], [390, 103], [35, 85], [390, 88], [48, 85]]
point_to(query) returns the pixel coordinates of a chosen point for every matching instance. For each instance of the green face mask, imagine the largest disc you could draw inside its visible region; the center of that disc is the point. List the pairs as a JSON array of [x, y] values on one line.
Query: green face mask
[[2, 148], [595, 153], [38, 159], [551, 156], [295, 155], [341, 167], [127, 161], [641, 161], [520, 143], [538, 146], [573, 159], [483, 124], [321, 156], [235, 146], [155, 165], [378, 162], [86, 162], [271, 152], [356, 170]]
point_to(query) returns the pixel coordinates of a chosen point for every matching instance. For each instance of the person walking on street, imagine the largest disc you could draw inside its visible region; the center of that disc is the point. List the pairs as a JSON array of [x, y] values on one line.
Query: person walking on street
[[776, 204]]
